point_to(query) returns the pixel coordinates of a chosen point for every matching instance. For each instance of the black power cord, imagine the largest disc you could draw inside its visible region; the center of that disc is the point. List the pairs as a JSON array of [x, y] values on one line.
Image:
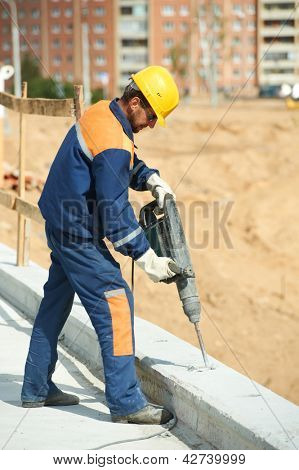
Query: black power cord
[[167, 427]]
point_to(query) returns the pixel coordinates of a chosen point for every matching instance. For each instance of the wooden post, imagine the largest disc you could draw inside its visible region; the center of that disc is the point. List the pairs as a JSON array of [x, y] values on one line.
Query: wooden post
[[78, 101], [1, 151], [24, 223]]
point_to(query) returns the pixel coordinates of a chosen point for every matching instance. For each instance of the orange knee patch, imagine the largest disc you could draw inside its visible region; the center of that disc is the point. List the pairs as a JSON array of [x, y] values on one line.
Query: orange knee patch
[[121, 322]]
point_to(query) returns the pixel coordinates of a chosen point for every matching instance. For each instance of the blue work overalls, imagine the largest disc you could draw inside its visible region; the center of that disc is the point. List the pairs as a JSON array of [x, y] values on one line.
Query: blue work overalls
[[85, 199]]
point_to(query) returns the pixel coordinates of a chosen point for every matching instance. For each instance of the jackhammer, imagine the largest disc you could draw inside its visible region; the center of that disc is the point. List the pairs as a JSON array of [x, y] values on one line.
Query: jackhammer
[[166, 237]]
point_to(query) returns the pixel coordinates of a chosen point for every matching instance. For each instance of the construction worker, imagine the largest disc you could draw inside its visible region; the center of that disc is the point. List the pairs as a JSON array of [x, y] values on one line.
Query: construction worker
[[85, 199]]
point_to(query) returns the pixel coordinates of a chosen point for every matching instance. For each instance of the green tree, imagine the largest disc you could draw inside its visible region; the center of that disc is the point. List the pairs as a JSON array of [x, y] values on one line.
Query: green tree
[[97, 95], [40, 87]]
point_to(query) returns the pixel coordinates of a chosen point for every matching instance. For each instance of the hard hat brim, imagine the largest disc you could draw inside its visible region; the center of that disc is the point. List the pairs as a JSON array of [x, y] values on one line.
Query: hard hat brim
[[161, 120]]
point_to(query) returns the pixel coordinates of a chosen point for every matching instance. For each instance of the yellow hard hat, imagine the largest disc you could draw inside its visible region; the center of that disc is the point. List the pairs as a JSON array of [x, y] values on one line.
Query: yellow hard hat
[[160, 90]]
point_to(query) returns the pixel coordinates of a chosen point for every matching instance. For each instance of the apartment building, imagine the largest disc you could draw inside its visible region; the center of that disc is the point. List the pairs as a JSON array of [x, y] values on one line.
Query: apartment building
[[51, 30], [131, 38], [205, 44], [278, 43]]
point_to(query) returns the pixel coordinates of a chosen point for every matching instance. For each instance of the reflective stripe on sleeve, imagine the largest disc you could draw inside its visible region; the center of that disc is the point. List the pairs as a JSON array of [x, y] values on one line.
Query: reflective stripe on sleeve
[[113, 293], [82, 143], [128, 238], [137, 168]]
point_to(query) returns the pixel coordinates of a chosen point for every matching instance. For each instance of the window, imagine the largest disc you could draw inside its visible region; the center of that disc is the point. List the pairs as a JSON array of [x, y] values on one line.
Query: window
[[236, 25], [251, 58], [100, 60], [69, 43], [57, 60], [4, 14], [100, 11], [237, 73], [6, 46], [166, 60], [168, 42], [23, 29], [99, 28], [251, 25], [216, 26], [56, 43], [217, 10], [236, 41], [237, 8], [278, 71], [68, 28], [68, 12], [202, 10], [35, 13], [35, 29], [102, 77], [236, 58], [135, 57], [184, 27], [55, 12], [57, 76], [133, 26], [139, 10], [251, 9], [21, 14], [5, 28], [126, 10], [167, 10], [69, 59], [99, 44], [134, 42], [56, 28], [24, 47], [184, 10], [69, 77], [184, 59], [168, 26]]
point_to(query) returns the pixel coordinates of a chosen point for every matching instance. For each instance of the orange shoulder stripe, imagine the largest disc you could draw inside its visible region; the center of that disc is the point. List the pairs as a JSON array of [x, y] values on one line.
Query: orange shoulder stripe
[[101, 130]]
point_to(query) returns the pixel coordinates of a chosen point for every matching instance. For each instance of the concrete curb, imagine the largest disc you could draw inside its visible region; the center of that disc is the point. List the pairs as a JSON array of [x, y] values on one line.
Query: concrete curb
[[224, 407]]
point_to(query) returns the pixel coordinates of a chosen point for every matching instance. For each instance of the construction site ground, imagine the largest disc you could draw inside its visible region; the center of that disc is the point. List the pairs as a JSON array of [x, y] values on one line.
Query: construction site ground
[[243, 167], [84, 426]]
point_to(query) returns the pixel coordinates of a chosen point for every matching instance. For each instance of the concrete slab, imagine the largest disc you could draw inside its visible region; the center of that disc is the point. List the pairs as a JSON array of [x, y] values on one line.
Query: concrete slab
[[85, 426], [226, 408]]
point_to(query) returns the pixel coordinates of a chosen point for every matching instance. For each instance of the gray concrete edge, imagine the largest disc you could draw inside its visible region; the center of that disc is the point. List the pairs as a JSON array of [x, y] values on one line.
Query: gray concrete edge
[[226, 408]]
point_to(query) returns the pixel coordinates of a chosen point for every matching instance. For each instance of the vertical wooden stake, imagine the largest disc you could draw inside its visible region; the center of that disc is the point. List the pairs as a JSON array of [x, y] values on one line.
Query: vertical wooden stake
[[24, 224], [78, 101], [1, 152]]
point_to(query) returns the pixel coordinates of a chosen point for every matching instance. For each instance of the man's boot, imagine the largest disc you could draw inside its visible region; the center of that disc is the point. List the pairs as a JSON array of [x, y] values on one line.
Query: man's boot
[[59, 398], [150, 414]]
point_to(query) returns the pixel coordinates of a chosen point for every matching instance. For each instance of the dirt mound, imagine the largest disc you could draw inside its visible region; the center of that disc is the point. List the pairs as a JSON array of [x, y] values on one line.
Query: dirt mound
[[244, 169]]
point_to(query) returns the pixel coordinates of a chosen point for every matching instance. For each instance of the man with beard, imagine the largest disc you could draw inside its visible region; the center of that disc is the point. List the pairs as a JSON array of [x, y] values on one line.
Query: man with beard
[[85, 199]]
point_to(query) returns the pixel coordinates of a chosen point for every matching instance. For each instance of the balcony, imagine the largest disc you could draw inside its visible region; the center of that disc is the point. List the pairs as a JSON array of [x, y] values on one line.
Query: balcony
[[281, 30], [269, 64], [277, 78], [265, 2], [278, 47], [277, 14]]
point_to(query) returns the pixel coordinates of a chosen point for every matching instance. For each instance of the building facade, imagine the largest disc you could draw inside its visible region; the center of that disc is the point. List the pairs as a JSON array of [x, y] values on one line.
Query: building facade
[[278, 43], [206, 45], [52, 32]]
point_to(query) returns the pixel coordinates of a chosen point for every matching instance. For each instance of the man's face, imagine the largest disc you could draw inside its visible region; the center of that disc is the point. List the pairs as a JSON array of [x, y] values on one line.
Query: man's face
[[139, 116]]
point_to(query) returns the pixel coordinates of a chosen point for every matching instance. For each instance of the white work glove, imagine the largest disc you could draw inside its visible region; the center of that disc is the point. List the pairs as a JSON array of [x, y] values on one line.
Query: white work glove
[[158, 188], [156, 267]]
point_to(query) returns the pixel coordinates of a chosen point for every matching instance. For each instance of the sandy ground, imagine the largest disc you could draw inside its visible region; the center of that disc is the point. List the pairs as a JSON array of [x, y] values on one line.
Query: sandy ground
[[242, 169]]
